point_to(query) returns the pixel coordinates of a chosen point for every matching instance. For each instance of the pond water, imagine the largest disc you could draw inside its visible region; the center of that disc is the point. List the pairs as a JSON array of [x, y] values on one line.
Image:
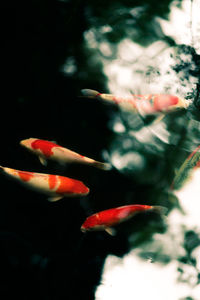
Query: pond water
[[140, 274], [132, 276], [122, 48]]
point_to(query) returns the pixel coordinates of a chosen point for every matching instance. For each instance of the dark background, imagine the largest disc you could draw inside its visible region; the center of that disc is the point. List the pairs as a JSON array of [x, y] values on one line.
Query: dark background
[[43, 254]]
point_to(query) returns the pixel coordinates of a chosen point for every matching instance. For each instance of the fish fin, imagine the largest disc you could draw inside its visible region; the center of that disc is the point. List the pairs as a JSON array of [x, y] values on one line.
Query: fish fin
[[42, 160], [160, 209], [102, 166], [55, 198], [110, 231], [89, 93], [158, 119]]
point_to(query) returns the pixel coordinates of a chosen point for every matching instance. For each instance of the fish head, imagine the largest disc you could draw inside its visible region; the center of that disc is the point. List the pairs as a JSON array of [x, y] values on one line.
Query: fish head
[[169, 102], [78, 188], [84, 229], [92, 228], [92, 224], [165, 102], [27, 143], [81, 188]]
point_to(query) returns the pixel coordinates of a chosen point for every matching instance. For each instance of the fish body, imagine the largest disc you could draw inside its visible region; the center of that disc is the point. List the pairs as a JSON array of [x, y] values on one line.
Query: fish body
[[185, 171], [104, 220], [50, 150], [143, 104], [55, 186]]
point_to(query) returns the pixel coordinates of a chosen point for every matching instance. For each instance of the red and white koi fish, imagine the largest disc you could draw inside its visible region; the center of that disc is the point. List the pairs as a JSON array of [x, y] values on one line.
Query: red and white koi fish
[[144, 104], [50, 150], [104, 220], [55, 186]]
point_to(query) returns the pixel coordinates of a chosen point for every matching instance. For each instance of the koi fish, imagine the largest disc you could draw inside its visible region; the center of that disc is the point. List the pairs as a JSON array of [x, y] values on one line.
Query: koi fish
[[104, 220], [144, 104], [50, 150], [185, 171], [55, 186]]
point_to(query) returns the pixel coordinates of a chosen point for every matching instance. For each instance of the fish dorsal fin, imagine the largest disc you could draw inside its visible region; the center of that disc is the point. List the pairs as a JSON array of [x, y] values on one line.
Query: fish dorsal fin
[[42, 160], [55, 198], [159, 118], [110, 231]]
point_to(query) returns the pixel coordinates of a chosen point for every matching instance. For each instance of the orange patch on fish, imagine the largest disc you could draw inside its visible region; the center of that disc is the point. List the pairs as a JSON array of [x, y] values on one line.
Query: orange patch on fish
[[162, 102], [52, 179], [25, 176], [44, 146], [71, 186]]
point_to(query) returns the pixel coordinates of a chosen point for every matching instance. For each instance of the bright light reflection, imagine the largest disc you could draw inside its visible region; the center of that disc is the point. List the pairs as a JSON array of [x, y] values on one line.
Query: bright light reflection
[[148, 70], [136, 279], [133, 278], [129, 160], [184, 24], [146, 134]]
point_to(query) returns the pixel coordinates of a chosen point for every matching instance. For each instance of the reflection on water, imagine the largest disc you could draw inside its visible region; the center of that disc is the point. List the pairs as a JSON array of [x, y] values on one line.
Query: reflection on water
[[150, 69], [167, 266], [183, 24]]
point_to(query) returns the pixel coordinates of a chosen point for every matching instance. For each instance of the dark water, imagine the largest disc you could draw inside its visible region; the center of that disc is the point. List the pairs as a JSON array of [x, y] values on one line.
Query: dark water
[[52, 50]]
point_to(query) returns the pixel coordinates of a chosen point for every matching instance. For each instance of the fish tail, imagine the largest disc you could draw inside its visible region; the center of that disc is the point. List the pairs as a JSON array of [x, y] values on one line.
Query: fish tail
[[102, 166], [160, 209], [89, 93]]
